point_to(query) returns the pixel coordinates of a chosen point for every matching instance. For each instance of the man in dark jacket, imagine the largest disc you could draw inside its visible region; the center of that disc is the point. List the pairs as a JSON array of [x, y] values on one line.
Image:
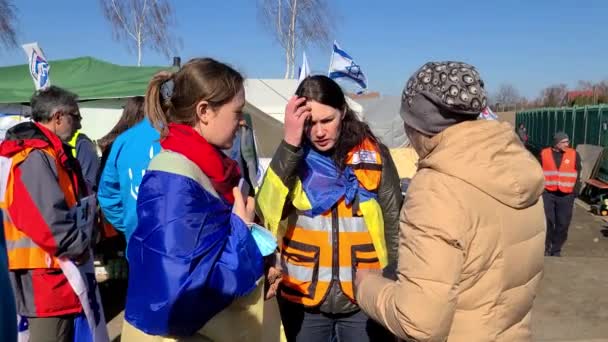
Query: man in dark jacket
[[85, 151], [41, 225]]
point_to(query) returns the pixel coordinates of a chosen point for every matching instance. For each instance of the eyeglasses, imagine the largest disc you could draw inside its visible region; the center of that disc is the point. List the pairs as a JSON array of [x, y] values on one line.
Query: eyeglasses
[[76, 116]]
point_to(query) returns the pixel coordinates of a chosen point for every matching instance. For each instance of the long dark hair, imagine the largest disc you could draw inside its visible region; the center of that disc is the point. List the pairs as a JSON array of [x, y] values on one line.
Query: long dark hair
[[132, 114], [353, 131]]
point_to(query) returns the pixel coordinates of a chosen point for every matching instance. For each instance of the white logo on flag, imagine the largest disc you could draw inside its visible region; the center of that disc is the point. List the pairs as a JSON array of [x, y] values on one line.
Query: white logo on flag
[[39, 67]]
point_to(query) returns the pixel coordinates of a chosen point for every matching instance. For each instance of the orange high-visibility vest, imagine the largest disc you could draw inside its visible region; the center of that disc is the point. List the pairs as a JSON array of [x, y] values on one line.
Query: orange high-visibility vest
[[23, 253], [318, 251], [564, 178]]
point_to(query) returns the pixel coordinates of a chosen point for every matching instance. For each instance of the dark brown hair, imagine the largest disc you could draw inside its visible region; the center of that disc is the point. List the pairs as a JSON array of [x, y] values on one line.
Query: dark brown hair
[[199, 79], [132, 114], [353, 131]]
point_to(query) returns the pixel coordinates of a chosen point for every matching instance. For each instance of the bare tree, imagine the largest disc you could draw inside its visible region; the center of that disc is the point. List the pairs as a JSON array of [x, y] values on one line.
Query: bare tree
[[8, 18], [584, 85], [554, 95], [599, 92], [296, 22], [523, 103], [141, 24], [506, 96]]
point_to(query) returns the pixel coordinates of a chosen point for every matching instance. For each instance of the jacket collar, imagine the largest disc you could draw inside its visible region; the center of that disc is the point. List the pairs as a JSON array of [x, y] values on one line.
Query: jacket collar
[[31, 134]]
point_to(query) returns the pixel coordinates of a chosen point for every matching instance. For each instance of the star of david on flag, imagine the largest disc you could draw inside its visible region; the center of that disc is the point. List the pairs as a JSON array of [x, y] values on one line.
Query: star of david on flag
[[342, 66]]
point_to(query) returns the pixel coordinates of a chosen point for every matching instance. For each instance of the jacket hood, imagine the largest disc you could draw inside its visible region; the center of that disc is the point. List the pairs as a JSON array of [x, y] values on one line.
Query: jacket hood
[[33, 135], [22, 136], [488, 156]]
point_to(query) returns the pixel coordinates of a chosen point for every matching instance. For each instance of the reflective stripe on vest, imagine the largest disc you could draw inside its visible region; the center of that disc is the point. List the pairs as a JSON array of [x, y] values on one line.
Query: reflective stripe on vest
[[324, 223], [73, 142], [23, 253], [312, 261], [23, 242], [562, 174], [304, 274], [564, 178]]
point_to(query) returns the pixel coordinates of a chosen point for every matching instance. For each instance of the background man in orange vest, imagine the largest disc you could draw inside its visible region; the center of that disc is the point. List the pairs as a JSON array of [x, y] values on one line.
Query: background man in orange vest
[[42, 188], [562, 167]]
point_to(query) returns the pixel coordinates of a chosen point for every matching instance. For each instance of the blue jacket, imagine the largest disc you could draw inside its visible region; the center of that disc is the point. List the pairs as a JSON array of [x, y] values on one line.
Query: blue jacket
[[189, 257], [8, 322], [129, 157]]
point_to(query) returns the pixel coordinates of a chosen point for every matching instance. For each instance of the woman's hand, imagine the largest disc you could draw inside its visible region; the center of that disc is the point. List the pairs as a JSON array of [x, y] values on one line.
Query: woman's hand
[[274, 275], [363, 273], [296, 113], [273, 279], [245, 209]]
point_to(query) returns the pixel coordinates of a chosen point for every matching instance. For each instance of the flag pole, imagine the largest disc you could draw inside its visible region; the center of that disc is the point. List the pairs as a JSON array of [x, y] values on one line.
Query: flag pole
[[331, 60]]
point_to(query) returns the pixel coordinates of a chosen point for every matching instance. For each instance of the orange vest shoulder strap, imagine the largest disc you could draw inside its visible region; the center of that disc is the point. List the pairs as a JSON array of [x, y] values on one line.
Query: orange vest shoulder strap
[[547, 159], [366, 161], [571, 153], [65, 181]]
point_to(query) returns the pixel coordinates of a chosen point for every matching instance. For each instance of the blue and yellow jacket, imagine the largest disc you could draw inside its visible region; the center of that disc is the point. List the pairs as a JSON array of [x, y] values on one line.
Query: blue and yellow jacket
[[330, 223]]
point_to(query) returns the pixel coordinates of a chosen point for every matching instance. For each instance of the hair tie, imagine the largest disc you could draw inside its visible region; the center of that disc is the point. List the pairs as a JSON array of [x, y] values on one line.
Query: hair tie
[[166, 89]]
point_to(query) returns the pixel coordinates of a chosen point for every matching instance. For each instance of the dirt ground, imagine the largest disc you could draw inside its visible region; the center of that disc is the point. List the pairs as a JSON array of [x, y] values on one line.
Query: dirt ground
[[571, 305]]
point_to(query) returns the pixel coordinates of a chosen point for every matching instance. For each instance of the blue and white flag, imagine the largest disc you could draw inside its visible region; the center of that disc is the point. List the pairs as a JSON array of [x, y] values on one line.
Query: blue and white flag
[[304, 69], [342, 66], [487, 114], [39, 67]]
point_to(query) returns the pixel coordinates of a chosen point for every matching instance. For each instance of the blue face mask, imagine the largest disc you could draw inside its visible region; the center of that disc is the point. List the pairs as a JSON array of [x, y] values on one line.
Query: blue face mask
[[266, 242]]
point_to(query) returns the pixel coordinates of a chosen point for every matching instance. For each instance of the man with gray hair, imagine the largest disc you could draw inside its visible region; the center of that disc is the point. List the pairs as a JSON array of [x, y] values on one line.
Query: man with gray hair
[[41, 189]]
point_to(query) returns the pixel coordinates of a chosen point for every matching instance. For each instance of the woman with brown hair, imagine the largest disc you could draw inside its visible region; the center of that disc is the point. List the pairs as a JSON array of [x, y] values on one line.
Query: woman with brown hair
[[338, 189], [126, 153], [112, 245], [133, 113], [194, 267]]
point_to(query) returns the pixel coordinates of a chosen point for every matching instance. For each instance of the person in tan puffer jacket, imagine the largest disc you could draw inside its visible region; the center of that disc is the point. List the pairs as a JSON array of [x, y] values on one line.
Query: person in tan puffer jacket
[[472, 225]]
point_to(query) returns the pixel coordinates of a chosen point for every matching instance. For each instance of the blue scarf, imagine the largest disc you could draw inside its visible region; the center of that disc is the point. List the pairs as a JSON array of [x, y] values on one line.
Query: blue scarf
[[325, 185]]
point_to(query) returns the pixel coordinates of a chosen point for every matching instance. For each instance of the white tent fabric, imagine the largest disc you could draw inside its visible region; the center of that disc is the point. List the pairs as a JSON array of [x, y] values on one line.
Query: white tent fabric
[[382, 115], [8, 121]]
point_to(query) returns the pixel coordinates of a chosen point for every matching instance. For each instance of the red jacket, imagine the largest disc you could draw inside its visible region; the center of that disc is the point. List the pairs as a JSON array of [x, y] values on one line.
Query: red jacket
[[40, 211]]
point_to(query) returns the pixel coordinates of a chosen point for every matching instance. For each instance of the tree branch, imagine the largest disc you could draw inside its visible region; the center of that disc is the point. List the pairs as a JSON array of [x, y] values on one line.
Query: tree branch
[[143, 16], [122, 21]]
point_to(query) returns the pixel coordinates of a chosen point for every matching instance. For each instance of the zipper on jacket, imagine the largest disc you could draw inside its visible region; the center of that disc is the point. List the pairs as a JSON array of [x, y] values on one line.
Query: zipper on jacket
[[335, 261], [335, 222]]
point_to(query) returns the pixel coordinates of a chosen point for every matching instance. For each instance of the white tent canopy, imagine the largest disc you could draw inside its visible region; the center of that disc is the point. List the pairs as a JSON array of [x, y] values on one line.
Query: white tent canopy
[[271, 96], [382, 115], [266, 101]]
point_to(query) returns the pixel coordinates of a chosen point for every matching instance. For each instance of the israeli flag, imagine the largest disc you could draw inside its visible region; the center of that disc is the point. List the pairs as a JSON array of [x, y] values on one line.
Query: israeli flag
[[342, 66], [304, 69], [487, 114], [39, 67]]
